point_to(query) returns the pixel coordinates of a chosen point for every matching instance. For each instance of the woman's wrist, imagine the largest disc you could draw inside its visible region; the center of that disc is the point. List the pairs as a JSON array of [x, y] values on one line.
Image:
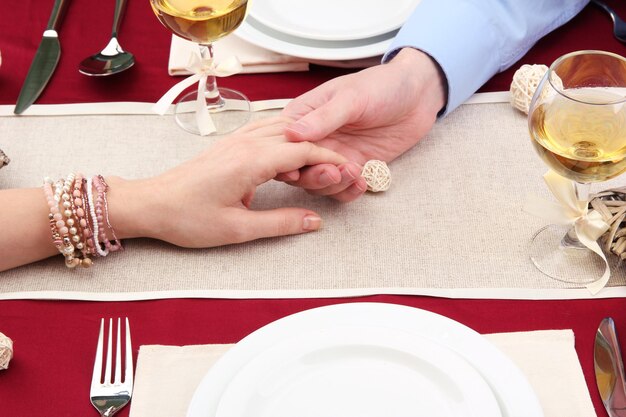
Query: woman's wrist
[[132, 207]]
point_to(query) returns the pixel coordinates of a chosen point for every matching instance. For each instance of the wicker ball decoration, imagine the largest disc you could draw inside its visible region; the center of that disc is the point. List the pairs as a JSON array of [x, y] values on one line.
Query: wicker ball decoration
[[4, 159], [6, 351], [377, 175], [525, 81]]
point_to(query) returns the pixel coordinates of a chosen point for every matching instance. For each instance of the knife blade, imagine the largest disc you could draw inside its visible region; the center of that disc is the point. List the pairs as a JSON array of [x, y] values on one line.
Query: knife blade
[[609, 369], [45, 60]]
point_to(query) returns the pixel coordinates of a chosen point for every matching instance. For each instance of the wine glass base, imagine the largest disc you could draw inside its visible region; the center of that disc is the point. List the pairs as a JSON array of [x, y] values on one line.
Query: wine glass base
[[228, 112], [573, 265]]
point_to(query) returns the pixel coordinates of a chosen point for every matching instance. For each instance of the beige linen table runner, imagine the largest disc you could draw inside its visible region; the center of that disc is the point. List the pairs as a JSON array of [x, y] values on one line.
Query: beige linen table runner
[[451, 224], [547, 359]]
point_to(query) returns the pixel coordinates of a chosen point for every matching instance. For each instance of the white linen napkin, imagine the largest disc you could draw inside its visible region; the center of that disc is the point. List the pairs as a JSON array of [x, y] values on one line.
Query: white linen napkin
[[546, 357], [253, 59]]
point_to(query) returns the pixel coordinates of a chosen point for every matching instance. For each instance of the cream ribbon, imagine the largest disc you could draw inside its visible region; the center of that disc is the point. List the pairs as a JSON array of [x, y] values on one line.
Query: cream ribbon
[[201, 69], [570, 211]]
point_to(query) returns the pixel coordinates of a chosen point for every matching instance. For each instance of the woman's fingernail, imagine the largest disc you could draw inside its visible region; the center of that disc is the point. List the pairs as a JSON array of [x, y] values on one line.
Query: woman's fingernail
[[347, 175], [326, 179], [311, 222], [359, 187], [292, 176], [298, 128]]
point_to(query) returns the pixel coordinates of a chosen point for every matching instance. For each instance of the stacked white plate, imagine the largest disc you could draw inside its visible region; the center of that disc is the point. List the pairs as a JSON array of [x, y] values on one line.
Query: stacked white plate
[[364, 360], [325, 29]]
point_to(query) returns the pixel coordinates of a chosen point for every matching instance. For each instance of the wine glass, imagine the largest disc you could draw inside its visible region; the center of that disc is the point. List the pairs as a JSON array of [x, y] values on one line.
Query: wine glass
[[203, 22], [577, 122]]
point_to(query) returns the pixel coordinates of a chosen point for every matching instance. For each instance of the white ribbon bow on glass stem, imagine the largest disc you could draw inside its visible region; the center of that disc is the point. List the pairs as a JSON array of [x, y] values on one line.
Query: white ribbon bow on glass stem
[[202, 68], [570, 211]]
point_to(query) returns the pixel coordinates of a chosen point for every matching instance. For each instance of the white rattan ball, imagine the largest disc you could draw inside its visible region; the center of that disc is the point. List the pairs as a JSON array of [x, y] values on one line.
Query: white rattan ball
[[377, 175], [525, 82], [6, 351]]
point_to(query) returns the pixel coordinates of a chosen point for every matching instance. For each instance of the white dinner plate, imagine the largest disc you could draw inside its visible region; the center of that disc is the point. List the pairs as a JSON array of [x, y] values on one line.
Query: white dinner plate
[[513, 393], [258, 34], [332, 20], [361, 372]]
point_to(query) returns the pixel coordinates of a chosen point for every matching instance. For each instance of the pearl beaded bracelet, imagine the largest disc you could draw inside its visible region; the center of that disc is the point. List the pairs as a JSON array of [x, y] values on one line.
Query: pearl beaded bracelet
[[76, 218], [60, 217]]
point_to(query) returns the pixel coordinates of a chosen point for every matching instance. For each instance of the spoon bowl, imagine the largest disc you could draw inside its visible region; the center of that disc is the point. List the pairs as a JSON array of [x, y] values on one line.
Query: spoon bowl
[[110, 60]]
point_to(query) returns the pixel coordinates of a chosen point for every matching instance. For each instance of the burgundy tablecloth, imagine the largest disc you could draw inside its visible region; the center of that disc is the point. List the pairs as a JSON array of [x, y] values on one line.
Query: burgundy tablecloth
[[55, 340], [87, 25]]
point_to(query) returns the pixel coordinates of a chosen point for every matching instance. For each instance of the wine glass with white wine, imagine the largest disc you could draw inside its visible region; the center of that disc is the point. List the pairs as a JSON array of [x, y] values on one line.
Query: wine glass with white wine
[[577, 122], [203, 22]]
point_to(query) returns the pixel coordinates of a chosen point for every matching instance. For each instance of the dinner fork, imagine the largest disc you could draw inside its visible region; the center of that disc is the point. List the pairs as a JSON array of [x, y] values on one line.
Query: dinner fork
[[109, 396]]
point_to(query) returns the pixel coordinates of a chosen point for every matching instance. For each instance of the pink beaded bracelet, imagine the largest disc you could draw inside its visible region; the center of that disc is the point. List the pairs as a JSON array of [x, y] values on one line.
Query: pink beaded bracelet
[[87, 230], [102, 187]]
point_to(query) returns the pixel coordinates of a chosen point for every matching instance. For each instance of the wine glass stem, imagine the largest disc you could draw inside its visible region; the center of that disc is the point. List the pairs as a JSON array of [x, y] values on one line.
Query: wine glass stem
[[583, 191], [211, 93], [570, 240]]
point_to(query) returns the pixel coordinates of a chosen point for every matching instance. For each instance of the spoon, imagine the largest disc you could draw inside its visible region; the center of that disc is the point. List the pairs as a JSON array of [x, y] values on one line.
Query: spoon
[[112, 59], [619, 26]]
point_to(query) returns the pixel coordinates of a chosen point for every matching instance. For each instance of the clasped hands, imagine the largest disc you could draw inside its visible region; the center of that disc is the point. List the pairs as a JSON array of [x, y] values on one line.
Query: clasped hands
[[319, 143]]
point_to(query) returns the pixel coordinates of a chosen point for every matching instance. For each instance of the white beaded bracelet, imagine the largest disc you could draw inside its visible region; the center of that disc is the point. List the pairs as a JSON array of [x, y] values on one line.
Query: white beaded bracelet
[[94, 220]]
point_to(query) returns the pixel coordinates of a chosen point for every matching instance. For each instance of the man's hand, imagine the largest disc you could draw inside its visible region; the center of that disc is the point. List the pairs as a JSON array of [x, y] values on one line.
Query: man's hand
[[377, 113]]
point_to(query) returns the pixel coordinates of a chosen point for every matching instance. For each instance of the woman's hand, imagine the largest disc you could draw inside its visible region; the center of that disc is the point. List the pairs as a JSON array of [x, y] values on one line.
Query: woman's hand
[[205, 201]]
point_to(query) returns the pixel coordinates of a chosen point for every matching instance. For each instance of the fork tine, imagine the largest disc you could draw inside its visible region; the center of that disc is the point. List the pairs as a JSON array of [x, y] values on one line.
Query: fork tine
[[97, 365], [107, 396], [128, 374], [118, 356], [107, 371]]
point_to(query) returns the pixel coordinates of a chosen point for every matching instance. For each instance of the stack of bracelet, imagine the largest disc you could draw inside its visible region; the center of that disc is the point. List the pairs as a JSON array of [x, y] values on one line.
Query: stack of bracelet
[[77, 218]]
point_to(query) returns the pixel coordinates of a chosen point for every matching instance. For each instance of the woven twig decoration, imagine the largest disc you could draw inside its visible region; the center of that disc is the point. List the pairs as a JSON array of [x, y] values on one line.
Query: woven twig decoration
[[525, 81], [611, 204], [6, 351], [377, 175], [4, 160]]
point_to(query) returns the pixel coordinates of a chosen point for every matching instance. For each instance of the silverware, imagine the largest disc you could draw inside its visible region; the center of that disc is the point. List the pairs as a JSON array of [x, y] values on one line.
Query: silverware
[[109, 396], [619, 26], [112, 59], [45, 61], [609, 369]]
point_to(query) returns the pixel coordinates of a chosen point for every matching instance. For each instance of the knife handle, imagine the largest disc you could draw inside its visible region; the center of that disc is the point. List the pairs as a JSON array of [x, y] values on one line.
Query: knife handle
[[58, 11], [607, 330]]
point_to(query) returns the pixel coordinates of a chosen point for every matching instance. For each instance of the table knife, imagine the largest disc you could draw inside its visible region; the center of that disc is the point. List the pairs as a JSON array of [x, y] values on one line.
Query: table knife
[[609, 369], [45, 61]]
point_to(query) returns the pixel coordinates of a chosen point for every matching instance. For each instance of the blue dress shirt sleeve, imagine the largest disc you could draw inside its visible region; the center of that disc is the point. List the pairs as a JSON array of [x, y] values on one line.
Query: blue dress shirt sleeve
[[472, 40]]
